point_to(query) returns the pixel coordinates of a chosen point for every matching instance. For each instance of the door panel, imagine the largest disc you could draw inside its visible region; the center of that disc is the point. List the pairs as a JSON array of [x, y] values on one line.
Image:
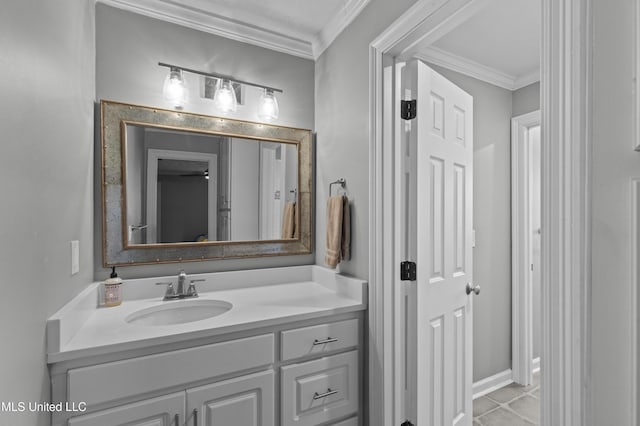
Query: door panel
[[167, 410], [440, 168], [246, 400]]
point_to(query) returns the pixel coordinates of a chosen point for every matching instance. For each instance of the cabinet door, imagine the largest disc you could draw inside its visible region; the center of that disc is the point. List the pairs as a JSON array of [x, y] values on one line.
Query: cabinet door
[[246, 401], [167, 410]]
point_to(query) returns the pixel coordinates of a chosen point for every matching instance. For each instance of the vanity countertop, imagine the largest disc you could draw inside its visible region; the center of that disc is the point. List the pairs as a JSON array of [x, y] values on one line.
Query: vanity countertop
[[260, 298]]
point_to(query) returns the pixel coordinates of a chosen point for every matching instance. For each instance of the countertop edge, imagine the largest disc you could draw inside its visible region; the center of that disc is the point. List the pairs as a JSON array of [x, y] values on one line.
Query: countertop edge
[[57, 357]]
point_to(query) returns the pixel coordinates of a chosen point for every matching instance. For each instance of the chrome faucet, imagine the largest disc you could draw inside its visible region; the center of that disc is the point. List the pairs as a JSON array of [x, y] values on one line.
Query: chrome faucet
[[172, 293], [182, 277]]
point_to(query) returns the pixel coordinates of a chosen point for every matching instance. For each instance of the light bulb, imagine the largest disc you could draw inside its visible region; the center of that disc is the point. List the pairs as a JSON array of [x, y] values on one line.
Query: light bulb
[[175, 89], [225, 97], [268, 107]]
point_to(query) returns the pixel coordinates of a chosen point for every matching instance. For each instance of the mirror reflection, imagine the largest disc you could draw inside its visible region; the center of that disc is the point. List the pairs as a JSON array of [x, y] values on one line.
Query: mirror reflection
[[184, 186]]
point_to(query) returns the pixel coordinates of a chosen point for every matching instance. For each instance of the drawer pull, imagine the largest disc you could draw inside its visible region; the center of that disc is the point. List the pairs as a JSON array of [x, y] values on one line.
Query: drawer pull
[[317, 342], [329, 392]]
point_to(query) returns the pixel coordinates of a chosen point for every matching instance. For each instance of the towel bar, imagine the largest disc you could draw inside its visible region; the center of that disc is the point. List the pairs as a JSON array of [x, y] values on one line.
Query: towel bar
[[342, 182]]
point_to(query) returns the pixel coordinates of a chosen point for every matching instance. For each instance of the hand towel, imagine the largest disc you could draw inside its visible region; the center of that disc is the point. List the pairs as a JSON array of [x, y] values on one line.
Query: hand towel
[[289, 221], [346, 229], [335, 211], [296, 227]]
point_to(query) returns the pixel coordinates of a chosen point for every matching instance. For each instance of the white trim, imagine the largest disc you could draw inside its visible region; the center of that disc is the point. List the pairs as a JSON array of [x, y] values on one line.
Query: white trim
[[476, 70], [280, 39], [527, 79], [499, 380], [217, 25], [336, 25], [521, 283], [492, 383], [633, 309], [566, 212], [566, 94], [636, 83], [535, 365]]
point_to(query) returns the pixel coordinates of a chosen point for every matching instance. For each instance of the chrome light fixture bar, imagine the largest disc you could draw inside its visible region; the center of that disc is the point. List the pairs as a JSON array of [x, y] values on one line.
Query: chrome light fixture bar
[[225, 100], [220, 76]]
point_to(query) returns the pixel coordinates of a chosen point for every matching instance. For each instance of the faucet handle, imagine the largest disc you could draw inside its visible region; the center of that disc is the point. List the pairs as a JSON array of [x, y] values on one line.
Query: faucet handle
[[191, 291], [170, 291]]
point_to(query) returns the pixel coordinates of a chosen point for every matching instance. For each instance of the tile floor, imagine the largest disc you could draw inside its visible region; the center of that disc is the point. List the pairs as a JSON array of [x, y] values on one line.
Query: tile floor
[[512, 405]]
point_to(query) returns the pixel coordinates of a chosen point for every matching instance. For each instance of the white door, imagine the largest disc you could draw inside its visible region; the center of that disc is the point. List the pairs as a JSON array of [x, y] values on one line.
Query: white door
[[439, 188]]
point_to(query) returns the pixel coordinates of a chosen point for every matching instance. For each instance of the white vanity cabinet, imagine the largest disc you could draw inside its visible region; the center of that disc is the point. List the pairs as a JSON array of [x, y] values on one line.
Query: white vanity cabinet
[[305, 373], [167, 410], [322, 389], [247, 401]]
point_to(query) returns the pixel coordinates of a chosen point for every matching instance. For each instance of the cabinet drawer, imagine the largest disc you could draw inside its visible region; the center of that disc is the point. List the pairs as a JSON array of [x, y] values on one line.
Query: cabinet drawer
[[319, 339], [319, 391], [122, 379]]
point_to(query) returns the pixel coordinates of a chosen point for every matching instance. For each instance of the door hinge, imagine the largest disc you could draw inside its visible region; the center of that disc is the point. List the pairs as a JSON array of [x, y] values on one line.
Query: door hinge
[[408, 109], [408, 271], [407, 423]]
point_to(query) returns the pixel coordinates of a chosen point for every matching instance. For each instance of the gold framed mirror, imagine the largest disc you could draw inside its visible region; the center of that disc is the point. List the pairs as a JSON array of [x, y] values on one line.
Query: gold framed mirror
[[179, 187]]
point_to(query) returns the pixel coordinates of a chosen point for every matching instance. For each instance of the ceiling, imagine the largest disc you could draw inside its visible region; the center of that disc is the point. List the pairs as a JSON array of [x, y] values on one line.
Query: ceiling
[[298, 27], [499, 44], [498, 40]]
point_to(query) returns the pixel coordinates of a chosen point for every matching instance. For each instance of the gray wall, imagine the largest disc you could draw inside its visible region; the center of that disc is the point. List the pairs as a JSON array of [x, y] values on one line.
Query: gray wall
[[614, 165], [526, 99], [492, 111], [46, 182], [128, 48], [342, 125]]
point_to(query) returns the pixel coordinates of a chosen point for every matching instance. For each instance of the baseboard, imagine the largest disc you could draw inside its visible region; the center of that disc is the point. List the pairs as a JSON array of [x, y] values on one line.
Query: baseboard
[[491, 383]]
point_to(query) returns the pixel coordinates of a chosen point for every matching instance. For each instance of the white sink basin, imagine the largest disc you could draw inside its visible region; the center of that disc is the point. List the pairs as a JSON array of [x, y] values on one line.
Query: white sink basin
[[178, 312]]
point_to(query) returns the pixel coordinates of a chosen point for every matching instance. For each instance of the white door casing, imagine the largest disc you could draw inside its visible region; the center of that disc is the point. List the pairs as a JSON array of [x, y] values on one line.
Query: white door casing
[[153, 155], [521, 237], [439, 168], [567, 35]]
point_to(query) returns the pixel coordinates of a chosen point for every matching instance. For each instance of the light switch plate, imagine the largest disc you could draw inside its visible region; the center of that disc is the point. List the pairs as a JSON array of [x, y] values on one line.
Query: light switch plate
[[75, 257]]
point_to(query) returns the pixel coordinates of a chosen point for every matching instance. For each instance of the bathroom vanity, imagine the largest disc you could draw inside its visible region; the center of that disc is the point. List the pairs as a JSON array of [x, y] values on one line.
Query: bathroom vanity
[[269, 347]]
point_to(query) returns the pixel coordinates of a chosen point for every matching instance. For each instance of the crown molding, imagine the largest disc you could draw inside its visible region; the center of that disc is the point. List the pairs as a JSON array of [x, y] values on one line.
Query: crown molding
[[476, 70], [215, 24], [337, 24], [278, 40]]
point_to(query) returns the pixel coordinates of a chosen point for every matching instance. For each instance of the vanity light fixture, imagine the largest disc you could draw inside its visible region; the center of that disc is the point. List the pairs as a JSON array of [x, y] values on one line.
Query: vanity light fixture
[[225, 96], [268, 109], [174, 89]]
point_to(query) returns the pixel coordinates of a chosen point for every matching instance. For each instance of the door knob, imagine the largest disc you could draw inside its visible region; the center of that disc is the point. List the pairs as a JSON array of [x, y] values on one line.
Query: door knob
[[475, 289]]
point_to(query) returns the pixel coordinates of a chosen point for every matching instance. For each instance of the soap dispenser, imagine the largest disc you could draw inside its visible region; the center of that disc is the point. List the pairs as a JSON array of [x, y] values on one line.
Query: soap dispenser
[[112, 290]]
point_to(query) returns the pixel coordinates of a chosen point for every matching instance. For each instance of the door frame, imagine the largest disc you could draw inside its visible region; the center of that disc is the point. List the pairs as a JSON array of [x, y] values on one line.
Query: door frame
[[521, 280], [566, 193], [153, 156]]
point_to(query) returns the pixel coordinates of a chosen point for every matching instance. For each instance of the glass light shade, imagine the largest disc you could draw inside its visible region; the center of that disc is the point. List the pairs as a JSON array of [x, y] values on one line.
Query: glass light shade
[[175, 89], [225, 97], [268, 107]]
